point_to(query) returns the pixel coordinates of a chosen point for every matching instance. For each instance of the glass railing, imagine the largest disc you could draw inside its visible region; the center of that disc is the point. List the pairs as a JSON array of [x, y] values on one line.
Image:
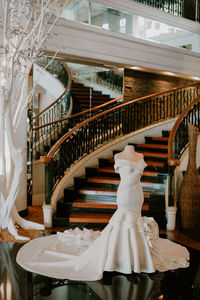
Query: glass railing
[[95, 14], [106, 78]]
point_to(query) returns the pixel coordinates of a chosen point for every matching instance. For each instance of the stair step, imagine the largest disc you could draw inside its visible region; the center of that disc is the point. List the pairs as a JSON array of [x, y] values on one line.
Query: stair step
[[98, 191], [94, 204], [149, 163], [157, 140], [93, 97], [77, 91], [83, 217], [102, 180], [154, 154], [156, 146], [165, 133], [106, 180], [155, 164], [100, 204], [101, 191], [106, 170], [151, 173]]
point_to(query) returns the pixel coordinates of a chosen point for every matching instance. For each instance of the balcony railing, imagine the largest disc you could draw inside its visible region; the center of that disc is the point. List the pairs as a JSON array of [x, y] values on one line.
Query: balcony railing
[[140, 26], [188, 9]]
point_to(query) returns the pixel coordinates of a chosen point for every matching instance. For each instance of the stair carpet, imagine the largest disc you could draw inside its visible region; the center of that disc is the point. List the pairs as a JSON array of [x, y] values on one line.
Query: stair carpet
[[81, 97], [92, 200]]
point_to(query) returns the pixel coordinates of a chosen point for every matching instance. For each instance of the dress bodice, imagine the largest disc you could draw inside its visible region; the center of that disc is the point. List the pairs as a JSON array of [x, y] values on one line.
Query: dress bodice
[[139, 165], [130, 194]]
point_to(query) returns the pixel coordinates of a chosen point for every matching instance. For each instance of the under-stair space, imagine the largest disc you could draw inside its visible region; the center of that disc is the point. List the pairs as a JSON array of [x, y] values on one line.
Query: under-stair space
[[85, 97], [92, 200]]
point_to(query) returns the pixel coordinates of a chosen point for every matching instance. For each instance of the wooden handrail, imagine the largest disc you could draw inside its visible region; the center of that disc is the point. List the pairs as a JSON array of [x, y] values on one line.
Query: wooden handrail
[[57, 145], [65, 91], [171, 160], [109, 102], [80, 113]]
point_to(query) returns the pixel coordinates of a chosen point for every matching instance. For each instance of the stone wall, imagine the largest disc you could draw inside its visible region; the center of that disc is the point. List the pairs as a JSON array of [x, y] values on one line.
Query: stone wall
[[138, 84]]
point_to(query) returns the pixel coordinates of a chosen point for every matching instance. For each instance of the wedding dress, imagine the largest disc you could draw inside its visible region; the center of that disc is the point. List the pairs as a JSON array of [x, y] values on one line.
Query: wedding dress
[[129, 243]]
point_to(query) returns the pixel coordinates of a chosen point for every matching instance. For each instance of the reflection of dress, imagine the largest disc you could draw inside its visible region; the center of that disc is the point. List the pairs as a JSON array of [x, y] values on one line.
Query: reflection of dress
[[128, 243]]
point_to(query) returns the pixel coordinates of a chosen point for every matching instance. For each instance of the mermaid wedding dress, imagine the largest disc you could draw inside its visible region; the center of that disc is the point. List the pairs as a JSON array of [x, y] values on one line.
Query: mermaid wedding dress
[[129, 243]]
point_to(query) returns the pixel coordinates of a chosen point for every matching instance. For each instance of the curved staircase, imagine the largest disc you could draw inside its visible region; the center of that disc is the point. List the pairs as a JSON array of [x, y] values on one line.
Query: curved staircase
[[92, 200], [82, 95]]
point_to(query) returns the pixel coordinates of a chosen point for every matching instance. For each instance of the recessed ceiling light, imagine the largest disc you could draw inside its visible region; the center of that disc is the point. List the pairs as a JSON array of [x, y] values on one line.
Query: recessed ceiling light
[[135, 68], [168, 73]]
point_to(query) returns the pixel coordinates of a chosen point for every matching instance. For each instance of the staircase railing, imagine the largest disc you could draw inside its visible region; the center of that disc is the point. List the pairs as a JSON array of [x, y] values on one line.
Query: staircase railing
[[57, 109], [105, 126], [178, 139], [50, 132], [97, 75]]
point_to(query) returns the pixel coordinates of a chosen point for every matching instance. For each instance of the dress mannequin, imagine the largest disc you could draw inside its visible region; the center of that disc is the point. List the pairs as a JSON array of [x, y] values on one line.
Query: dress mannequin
[[129, 243], [129, 153]]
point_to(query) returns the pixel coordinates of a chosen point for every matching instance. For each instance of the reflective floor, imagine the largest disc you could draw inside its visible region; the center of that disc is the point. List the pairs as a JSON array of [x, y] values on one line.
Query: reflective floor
[[18, 284]]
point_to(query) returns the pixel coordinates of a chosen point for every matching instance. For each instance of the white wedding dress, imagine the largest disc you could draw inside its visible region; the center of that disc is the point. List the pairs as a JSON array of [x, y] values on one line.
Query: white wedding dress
[[129, 243]]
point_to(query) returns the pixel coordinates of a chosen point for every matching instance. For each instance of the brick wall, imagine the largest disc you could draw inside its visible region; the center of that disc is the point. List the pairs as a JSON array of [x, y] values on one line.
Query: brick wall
[[138, 84]]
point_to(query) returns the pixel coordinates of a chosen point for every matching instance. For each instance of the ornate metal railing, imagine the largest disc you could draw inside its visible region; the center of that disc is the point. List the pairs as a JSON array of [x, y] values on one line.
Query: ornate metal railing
[[189, 9], [55, 111], [178, 139], [105, 126], [52, 131], [58, 108]]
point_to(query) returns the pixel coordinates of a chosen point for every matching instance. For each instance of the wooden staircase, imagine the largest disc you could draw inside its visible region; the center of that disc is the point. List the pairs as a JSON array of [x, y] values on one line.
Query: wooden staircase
[[81, 97], [92, 200]]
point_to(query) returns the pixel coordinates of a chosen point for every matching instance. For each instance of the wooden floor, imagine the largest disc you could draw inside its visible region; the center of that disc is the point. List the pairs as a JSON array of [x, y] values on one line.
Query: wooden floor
[[35, 214]]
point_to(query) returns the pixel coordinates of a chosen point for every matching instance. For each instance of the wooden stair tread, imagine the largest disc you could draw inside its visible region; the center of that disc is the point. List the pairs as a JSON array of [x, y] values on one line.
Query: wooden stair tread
[[94, 204], [82, 217], [106, 169], [150, 173], [101, 179], [154, 154], [111, 169], [98, 191], [145, 173], [100, 204], [160, 138], [154, 163], [102, 191], [113, 180]]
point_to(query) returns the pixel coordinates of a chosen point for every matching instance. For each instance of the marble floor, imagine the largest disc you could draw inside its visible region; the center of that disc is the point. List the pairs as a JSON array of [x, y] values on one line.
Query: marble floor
[[18, 284]]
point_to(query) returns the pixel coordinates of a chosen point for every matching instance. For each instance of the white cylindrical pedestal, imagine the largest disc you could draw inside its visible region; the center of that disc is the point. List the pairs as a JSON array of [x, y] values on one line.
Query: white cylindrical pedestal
[[47, 214], [171, 218]]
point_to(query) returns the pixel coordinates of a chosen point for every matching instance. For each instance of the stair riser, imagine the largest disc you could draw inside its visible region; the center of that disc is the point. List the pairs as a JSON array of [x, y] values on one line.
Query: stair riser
[[151, 187], [155, 150], [149, 140], [153, 197]]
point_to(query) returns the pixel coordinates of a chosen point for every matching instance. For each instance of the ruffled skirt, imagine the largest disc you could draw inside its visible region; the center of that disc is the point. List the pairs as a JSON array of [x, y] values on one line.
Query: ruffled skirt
[[129, 243]]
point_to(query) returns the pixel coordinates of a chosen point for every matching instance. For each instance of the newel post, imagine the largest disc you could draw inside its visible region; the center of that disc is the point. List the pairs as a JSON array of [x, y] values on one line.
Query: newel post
[[47, 208], [171, 208]]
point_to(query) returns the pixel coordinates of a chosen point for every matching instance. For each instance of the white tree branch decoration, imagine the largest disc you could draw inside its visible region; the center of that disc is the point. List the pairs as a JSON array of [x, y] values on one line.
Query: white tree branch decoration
[[25, 26]]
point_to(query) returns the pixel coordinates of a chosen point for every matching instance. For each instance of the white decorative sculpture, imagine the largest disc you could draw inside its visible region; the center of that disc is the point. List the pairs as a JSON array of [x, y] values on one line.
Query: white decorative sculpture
[[129, 243], [25, 26]]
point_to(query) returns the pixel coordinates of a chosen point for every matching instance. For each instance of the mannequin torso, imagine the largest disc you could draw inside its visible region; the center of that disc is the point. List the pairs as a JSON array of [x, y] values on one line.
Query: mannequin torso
[[129, 153]]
